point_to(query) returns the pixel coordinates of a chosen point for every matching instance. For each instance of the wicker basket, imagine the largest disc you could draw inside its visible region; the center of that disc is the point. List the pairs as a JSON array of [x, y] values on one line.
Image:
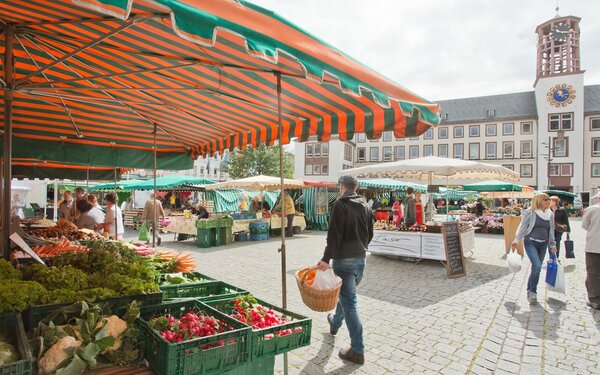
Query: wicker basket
[[321, 300]]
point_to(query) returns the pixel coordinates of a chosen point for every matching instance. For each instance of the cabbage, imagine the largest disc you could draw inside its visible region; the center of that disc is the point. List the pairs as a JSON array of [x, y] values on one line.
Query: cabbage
[[8, 354]]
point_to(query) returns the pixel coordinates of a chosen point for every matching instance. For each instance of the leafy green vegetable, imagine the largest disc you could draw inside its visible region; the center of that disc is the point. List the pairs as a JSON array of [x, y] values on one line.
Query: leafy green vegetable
[[65, 277], [8, 272], [17, 295]]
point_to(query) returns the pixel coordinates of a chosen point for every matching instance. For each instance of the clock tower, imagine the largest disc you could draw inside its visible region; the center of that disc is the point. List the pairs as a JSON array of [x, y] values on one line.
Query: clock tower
[[559, 92]]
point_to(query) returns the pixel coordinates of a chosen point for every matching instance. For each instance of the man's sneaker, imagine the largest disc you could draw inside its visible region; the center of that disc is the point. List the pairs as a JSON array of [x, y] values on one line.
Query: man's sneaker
[[349, 355], [531, 297], [330, 321], [593, 305]]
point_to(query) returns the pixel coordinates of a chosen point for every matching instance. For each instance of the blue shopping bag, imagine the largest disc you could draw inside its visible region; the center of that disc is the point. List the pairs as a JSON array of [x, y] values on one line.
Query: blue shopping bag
[[551, 270]]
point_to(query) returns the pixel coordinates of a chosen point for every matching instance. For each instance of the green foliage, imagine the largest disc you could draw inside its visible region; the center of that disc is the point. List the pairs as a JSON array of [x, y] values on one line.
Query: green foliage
[[17, 295], [261, 160], [64, 277], [8, 272]]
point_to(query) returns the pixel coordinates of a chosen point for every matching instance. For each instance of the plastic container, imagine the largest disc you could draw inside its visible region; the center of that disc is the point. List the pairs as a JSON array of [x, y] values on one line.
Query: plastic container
[[241, 236], [259, 227], [226, 221], [33, 315], [204, 291], [12, 325], [188, 357], [204, 237], [263, 366], [259, 237], [262, 344], [207, 223]]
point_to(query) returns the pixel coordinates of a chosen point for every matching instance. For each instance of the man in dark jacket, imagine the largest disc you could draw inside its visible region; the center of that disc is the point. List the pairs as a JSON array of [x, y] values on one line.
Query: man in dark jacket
[[348, 237], [561, 222], [410, 208]]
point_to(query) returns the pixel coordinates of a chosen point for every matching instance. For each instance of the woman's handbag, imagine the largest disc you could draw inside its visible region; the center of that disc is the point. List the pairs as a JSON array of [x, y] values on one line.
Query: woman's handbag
[[551, 270], [569, 249]]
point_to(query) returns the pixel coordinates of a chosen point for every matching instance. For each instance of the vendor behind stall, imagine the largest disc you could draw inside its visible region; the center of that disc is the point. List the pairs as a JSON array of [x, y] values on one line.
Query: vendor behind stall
[[290, 212], [201, 211]]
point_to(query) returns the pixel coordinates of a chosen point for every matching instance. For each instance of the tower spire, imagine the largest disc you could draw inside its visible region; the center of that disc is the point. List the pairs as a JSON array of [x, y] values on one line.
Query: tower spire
[[557, 9]]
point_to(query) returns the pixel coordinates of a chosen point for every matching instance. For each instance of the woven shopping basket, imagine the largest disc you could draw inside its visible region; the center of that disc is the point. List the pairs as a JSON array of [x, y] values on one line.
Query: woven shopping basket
[[320, 300]]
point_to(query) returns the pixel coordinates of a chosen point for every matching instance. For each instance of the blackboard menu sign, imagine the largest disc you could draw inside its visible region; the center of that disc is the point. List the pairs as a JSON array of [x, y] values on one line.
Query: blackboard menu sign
[[455, 260]]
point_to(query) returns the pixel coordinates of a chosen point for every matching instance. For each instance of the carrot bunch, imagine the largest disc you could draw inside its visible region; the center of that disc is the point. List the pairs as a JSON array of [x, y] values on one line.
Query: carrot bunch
[[184, 262], [50, 250]]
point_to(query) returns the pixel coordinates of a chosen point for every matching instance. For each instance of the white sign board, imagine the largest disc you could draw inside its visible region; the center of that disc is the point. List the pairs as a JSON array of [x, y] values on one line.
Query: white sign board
[[433, 246], [404, 244]]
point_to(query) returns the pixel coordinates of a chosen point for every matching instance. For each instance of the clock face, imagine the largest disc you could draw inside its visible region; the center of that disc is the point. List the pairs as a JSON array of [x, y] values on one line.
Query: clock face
[[561, 95], [560, 32]]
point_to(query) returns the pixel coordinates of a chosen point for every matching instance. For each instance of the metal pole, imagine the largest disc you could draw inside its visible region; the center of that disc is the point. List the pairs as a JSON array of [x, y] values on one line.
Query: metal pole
[[8, 99], [154, 201], [549, 160], [87, 178], [116, 205], [55, 213], [283, 217]]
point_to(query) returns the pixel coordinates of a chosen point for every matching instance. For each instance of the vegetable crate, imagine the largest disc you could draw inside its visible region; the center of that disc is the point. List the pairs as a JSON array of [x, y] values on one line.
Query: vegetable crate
[[174, 290], [204, 291], [188, 357], [259, 236], [207, 223], [12, 325], [263, 366], [36, 314], [266, 342]]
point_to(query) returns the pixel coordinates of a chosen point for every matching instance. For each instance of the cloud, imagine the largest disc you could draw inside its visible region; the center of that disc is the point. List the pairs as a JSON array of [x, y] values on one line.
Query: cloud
[[444, 49]]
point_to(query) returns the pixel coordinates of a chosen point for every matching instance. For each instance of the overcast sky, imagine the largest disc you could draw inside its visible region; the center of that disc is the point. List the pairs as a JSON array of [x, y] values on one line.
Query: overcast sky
[[445, 49]]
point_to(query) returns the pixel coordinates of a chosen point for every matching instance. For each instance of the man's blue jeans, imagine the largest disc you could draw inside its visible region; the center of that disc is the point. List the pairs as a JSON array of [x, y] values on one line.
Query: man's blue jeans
[[350, 270], [536, 251]]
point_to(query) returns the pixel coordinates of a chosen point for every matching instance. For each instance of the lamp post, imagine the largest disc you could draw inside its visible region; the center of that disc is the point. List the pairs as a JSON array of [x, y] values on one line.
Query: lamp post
[[548, 158]]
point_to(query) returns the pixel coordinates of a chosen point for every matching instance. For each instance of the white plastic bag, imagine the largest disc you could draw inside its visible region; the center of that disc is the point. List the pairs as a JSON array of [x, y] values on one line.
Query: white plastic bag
[[513, 259], [326, 279], [559, 286]]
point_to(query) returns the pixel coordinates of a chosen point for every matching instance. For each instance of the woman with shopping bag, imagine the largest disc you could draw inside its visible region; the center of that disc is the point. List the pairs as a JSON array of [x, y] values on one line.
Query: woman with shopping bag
[[537, 232]]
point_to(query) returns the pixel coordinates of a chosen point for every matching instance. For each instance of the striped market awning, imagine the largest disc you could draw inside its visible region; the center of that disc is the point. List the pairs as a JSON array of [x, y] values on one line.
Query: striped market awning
[[94, 79]]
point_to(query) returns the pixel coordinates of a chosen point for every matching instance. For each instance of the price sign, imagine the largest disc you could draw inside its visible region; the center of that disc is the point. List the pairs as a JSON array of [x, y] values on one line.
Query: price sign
[[455, 260]]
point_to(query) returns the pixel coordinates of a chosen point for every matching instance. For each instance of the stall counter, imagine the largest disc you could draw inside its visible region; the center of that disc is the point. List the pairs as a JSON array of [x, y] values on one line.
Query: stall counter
[[416, 244]]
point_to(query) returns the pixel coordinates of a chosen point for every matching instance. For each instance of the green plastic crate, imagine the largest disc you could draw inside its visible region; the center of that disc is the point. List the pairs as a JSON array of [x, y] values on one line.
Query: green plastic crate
[[174, 290], [226, 221], [207, 223], [263, 347], [34, 314], [12, 325], [263, 366], [188, 357], [204, 237], [227, 235], [205, 291]]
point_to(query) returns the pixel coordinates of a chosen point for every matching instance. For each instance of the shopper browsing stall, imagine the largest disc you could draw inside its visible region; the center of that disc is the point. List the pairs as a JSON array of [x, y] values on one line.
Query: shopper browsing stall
[[153, 209], [66, 207], [113, 221], [90, 217], [410, 209], [537, 232], [561, 221]]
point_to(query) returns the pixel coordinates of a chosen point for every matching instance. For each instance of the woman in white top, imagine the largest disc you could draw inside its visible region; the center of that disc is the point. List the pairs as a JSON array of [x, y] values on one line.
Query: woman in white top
[[113, 222], [537, 232]]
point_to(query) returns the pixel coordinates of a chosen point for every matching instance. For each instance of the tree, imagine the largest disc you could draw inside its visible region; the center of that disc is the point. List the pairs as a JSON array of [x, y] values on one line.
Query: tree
[[260, 160]]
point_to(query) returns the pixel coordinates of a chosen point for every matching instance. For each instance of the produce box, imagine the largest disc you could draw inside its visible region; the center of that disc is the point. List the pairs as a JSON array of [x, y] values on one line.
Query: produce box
[[174, 290], [204, 291], [271, 341], [259, 236], [263, 366], [207, 223], [34, 314], [189, 357], [226, 221], [12, 325]]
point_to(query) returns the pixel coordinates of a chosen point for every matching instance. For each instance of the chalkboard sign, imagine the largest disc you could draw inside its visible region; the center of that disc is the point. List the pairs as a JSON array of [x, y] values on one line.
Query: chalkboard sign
[[455, 260]]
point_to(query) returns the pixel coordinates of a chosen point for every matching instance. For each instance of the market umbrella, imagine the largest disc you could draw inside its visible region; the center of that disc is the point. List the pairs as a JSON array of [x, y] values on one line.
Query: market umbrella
[[169, 182], [260, 182], [123, 185], [390, 184], [493, 185]]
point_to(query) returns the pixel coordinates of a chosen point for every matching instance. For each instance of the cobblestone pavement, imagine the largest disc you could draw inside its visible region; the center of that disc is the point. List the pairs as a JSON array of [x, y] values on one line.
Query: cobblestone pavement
[[417, 321]]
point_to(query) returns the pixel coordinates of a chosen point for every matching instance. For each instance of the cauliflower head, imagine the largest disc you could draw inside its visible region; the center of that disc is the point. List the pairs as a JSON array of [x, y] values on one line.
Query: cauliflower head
[[57, 354]]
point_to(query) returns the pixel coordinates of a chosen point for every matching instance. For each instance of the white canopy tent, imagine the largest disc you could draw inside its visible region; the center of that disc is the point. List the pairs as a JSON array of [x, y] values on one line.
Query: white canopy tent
[[260, 183]]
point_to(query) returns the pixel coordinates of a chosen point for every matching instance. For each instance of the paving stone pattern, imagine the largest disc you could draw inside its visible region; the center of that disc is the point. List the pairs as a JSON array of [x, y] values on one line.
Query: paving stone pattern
[[417, 321]]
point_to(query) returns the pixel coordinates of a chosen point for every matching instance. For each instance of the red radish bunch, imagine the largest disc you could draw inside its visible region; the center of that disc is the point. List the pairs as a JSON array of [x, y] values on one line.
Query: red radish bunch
[[189, 326], [248, 311]]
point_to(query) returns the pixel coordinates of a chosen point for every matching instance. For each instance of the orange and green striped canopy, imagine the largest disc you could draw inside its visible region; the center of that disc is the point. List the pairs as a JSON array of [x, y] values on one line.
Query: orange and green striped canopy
[[34, 168], [99, 76]]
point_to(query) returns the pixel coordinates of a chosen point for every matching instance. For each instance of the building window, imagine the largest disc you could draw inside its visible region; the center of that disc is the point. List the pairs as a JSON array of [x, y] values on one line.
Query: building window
[[428, 150], [596, 170], [560, 121], [595, 146], [414, 138], [387, 153], [595, 123], [428, 134], [308, 169], [474, 131], [374, 140], [317, 151], [508, 128], [361, 138], [309, 150], [508, 150], [474, 151], [561, 147], [458, 150], [443, 133], [562, 170], [325, 169], [526, 170], [413, 152], [362, 154], [526, 149], [387, 136], [374, 154], [316, 169], [443, 151], [490, 130], [325, 149], [526, 128], [347, 152], [459, 132], [490, 150], [399, 152], [509, 166]]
